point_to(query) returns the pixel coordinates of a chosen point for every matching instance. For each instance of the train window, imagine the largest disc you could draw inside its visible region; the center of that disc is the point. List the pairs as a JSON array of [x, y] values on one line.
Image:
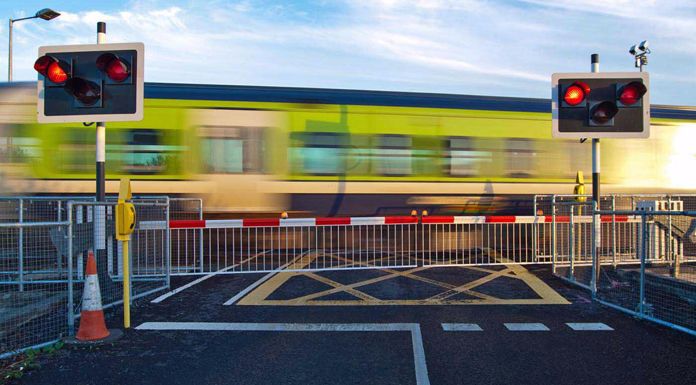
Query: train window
[[232, 150], [318, 153], [520, 158], [392, 155], [465, 159], [144, 152], [75, 151], [18, 149]]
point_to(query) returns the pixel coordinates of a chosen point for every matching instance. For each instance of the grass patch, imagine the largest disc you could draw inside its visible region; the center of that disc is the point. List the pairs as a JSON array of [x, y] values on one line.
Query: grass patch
[[15, 367]]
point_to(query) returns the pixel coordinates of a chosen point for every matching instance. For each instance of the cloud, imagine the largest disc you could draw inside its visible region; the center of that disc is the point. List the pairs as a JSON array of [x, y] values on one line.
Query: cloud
[[462, 46]]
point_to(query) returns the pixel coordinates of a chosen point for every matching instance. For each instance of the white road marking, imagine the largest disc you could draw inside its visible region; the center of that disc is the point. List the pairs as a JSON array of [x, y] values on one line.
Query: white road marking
[[201, 279], [416, 338], [527, 327], [461, 328], [583, 326]]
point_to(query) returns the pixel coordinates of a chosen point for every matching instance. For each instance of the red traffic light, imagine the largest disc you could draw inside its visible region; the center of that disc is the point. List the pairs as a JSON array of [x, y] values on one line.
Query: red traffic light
[[115, 68], [603, 112], [86, 92], [631, 93], [53, 69], [576, 93]]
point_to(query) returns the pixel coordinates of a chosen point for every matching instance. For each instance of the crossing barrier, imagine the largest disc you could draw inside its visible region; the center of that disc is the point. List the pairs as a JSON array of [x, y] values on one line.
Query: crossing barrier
[[301, 244]]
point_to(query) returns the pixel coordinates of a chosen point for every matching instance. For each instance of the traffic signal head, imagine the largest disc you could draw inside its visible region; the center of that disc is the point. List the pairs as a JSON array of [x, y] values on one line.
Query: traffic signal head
[[630, 94], [602, 113], [596, 105], [53, 69], [115, 68], [86, 92], [575, 94], [90, 83]]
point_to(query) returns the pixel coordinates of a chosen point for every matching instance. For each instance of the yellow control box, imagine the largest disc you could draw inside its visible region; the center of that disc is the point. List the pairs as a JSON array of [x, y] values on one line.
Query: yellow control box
[[125, 212], [579, 187]]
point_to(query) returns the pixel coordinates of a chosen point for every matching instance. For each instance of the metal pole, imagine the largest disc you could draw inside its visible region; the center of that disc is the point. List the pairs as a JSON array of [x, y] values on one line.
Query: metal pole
[[100, 211], [21, 245], [101, 130], [9, 55], [71, 315], [553, 234], [596, 222], [200, 235], [126, 284], [644, 242], [167, 246], [571, 244], [613, 231], [534, 232]]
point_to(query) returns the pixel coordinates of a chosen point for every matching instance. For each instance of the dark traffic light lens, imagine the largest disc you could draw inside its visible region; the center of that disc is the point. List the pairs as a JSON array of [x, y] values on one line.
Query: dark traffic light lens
[[53, 69], [41, 64], [115, 68], [631, 93], [56, 73], [83, 90], [117, 71], [603, 112]]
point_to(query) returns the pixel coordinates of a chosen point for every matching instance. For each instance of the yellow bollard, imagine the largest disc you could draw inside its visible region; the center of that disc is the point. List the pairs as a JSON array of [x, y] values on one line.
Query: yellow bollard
[[125, 224], [579, 190]]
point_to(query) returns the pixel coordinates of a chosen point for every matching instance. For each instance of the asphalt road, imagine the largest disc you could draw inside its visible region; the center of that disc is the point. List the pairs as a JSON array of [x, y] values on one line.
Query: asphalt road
[[306, 343]]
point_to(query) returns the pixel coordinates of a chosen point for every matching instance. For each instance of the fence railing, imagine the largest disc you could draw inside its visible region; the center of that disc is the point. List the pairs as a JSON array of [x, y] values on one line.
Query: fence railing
[[645, 266], [43, 250], [642, 262]]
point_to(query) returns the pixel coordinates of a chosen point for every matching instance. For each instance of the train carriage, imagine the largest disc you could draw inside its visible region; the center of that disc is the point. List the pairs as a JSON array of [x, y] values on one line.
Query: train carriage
[[262, 150]]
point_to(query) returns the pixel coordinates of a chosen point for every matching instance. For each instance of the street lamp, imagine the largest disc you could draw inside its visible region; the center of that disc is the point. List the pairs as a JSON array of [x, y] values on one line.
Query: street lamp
[[46, 14]]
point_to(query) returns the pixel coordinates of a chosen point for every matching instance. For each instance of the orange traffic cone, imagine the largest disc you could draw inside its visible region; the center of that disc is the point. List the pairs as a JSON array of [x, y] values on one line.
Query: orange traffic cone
[[92, 324]]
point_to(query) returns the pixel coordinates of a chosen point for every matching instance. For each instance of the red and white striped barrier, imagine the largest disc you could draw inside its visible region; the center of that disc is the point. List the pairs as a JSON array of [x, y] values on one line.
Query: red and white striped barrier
[[364, 221]]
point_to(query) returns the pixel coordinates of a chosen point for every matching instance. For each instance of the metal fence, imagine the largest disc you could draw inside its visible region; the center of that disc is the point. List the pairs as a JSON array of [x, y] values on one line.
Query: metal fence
[[661, 286], [43, 251], [638, 254]]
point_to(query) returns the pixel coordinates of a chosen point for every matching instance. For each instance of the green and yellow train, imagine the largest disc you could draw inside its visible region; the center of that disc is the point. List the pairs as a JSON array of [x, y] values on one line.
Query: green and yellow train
[[260, 150]]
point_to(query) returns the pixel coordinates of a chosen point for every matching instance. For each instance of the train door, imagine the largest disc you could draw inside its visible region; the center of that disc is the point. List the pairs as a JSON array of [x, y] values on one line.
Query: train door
[[237, 150]]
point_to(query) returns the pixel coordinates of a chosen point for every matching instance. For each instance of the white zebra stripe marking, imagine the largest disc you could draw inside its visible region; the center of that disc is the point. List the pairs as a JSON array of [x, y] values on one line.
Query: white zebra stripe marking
[[527, 327], [461, 327], [589, 326]]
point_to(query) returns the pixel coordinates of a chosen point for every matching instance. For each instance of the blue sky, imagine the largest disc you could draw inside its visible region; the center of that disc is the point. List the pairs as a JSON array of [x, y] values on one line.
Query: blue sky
[[505, 48]]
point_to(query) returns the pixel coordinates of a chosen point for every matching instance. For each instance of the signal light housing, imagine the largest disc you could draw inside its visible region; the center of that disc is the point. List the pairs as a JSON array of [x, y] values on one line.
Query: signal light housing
[[90, 83], [114, 67], [600, 105], [630, 94], [52, 69], [86, 92], [602, 113], [575, 94]]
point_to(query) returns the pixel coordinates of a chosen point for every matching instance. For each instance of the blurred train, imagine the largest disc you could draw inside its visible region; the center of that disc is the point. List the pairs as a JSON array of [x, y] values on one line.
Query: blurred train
[[262, 150]]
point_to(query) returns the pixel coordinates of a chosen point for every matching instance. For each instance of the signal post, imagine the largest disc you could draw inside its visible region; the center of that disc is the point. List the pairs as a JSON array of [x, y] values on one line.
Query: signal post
[[91, 83], [599, 105]]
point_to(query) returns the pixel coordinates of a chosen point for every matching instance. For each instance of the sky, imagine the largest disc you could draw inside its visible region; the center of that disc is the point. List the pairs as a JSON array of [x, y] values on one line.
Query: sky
[[494, 47]]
